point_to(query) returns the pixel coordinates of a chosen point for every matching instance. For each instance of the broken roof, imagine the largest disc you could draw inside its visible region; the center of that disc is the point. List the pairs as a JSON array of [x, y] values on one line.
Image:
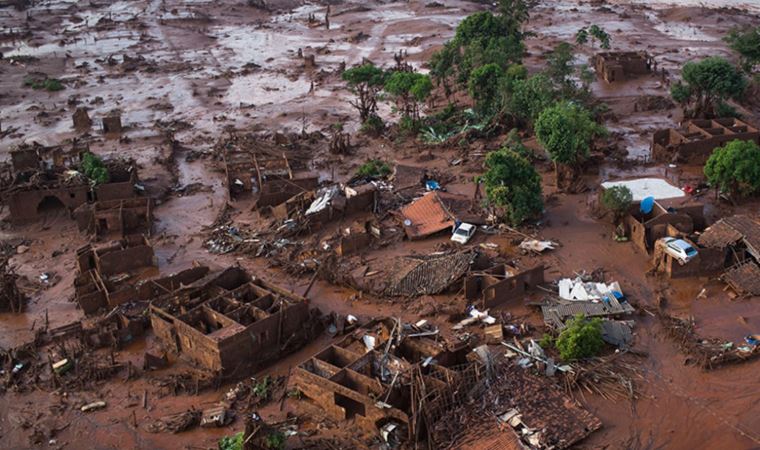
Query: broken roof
[[744, 279], [642, 188], [433, 213], [730, 230]]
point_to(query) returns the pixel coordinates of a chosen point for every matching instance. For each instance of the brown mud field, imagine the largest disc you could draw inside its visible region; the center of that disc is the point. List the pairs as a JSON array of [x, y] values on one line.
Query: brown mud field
[[185, 75]]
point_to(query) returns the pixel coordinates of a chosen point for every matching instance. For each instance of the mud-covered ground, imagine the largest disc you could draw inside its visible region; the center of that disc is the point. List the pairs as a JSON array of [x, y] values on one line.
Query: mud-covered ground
[[197, 68]]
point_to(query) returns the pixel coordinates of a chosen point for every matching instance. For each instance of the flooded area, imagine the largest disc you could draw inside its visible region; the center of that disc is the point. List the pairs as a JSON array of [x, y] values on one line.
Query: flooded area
[[214, 106]]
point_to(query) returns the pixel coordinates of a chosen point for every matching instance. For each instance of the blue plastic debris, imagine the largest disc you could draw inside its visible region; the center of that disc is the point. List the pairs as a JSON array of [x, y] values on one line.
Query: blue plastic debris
[[647, 205], [432, 185]]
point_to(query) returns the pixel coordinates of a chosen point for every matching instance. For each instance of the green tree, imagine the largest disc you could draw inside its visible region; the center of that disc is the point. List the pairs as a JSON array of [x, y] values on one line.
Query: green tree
[[706, 85], [581, 338], [484, 85], [735, 168], [529, 97], [745, 42], [409, 89], [617, 200], [559, 67], [365, 82], [566, 131], [512, 186], [581, 37], [597, 33], [483, 38]]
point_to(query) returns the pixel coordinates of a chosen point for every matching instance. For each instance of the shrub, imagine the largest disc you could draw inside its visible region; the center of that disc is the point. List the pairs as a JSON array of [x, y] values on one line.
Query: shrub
[[745, 42], [617, 199], [374, 168], [275, 441], [581, 338], [373, 126], [234, 442], [94, 169]]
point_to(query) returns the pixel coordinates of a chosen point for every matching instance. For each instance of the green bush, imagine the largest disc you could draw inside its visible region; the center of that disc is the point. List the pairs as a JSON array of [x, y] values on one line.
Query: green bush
[[581, 338], [706, 84], [275, 440], [94, 169], [617, 199], [49, 84], [374, 168], [234, 442], [373, 126]]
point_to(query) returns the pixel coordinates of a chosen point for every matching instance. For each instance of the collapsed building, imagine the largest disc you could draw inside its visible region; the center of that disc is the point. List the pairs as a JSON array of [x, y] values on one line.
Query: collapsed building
[[501, 284], [230, 323], [108, 274], [516, 409], [123, 217], [43, 179], [619, 66], [269, 176], [388, 378], [406, 276], [665, 219], [695, 141], [736, 240]]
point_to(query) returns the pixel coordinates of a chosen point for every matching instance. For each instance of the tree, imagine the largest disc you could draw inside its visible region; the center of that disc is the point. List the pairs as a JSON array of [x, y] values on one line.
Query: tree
[[529, 97], [365, 81], [596, 33], [706, 86], [566, 131], [581, 338], [617, 200], [560, 69], [483, 38], [745, 42], [484, 87], [735, 168], [409, 90], [512, 185]]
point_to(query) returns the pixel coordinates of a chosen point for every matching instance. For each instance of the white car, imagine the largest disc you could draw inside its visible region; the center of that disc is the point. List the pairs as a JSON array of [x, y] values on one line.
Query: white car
[[679, 249], [463, 233]]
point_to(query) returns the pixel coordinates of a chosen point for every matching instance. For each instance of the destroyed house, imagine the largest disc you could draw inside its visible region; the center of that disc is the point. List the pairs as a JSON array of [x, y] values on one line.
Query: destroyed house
[[435, 212], [695, 141], [375, 378], [238, 326], [619, 66], [124, 217], [107, 274], [737, 239], [46, 179], [517, 410], [271, 177], [644, 229], [500, 284], [342, 201]]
